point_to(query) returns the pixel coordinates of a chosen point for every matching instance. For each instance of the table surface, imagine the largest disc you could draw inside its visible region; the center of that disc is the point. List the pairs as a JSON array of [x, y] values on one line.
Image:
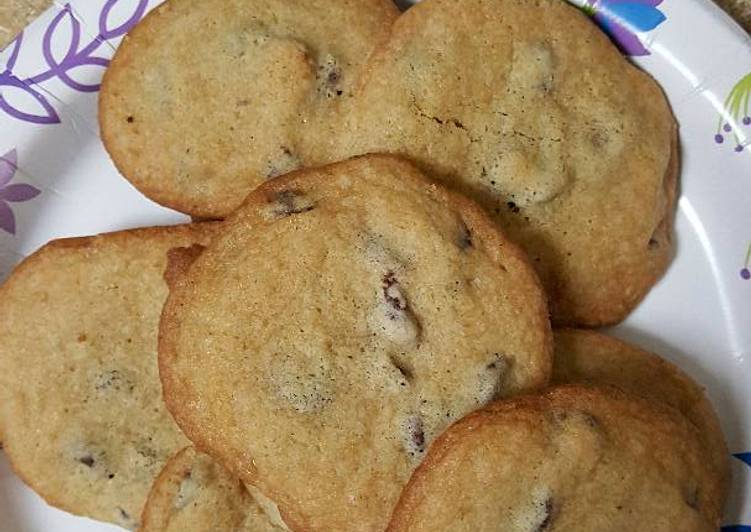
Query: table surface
[[16, 14]]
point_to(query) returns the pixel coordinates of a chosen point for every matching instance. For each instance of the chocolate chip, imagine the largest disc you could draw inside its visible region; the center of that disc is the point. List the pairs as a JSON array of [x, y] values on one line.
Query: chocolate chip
[[392, 293], [330, 77], [289, 202], [403, 368], [491, 379], [465, 237], [418, 438], [125, 520], [548, 516], [130, 119], [512, 207], [87, 460], [415, 437], [499, 362], [393, 319], [654, 243]]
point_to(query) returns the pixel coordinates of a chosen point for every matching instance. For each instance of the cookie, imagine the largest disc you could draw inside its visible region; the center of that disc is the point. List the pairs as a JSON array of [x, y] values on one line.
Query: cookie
[[195, 494], [342, 318], [530, 110], [574, 459], [525, 106], [204, 100], [81, 413], [589, 357]]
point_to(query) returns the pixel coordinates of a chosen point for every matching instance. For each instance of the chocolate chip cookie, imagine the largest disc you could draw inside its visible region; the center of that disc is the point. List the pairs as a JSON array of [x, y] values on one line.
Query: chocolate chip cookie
[[195, 494], [589, 357], [81, 412], [529, 109], [339, 321], [573, 459], [204, 100]]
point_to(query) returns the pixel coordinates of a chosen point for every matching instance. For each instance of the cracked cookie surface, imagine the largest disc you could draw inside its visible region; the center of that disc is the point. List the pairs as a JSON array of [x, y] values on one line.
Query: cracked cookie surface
[[204, 100], [530, 110], [572, 459], [526, 106], [81, 413], [317, 350]]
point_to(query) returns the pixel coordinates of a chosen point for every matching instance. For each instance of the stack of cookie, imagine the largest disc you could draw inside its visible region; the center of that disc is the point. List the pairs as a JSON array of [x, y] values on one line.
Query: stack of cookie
[[362, 340]]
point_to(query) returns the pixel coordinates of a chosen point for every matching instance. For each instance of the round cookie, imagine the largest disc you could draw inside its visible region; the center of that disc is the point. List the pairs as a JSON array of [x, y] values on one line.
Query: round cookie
[[204, 100], [574, 459], [195, 494], [589, 357], [81, 413], [530, 110], [342, 318]]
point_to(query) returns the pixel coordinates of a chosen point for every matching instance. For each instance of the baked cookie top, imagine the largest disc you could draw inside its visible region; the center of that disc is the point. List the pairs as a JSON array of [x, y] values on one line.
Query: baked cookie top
[[525, 106], [204, 100], [193, 493], [589, 357], [339, 321], [530, 110], [81, 413], [574, 459]]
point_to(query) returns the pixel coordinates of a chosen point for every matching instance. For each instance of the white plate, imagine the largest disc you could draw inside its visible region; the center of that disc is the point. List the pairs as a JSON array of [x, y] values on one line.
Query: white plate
[[699, 315]]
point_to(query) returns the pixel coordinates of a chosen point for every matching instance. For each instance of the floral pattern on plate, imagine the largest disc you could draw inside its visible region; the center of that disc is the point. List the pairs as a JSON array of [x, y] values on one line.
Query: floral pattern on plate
[[623, 20], [25, 98], [12, 192]]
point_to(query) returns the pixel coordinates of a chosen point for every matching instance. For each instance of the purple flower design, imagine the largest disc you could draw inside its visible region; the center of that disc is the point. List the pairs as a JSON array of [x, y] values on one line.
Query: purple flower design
[[37, 109], [746, 274], [623, 19], [12, 193], [21, 99], [736, 114]]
